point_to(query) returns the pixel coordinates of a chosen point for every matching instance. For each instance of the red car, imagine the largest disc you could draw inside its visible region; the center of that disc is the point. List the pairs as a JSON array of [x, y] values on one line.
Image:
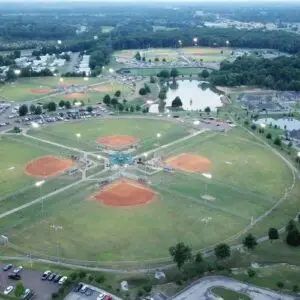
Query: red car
[[108, 297]]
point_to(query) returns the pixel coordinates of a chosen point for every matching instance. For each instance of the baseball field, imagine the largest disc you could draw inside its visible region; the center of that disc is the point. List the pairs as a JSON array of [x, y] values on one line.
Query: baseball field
[[45, 89], [214, 186]]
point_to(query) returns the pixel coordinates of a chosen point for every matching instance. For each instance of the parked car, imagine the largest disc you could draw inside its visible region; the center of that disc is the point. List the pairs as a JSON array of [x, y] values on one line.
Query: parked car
[[14, 276], [27, 294], [18, 269], [108, 297], [45, 275], [57, 278], [8, 290], [63, 280], [51, 276], [88, 292], [101, 296], [83, 289], [7, 267]]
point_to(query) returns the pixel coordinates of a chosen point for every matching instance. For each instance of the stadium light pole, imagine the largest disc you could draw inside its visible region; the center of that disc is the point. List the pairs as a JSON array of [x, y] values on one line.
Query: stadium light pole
[[57, 228], [208, 176], [158, 136], [195, 41], [39, 185], [78, 136], [17, 72]]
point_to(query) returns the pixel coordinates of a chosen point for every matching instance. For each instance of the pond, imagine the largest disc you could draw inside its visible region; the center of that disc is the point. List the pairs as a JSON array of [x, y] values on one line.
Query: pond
[[290, 123], [192, 94]]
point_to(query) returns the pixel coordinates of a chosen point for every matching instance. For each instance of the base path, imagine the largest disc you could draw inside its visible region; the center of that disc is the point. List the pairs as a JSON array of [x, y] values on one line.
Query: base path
[[202, 290]]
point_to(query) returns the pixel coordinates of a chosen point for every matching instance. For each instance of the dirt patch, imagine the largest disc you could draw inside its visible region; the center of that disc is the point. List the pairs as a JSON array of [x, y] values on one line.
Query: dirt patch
[[46, 166], [76, 96], [102, 89], [41, 91], [125, 193], [117, 141], [189, 163]]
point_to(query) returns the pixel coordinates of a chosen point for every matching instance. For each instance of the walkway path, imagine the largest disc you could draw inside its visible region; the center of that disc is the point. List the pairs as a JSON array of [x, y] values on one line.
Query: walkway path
[[201, 290]]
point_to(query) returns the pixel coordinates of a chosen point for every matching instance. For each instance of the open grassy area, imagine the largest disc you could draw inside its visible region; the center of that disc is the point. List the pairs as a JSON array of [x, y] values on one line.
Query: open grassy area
[[227, 294], [243, 189], [25, 89], [16, 152], [207, 54], [145, 130], [155, 71]]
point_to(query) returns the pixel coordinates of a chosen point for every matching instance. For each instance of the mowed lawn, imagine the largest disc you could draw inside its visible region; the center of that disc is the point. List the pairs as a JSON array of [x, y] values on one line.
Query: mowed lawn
[[16, 187], [95, 93], [23, 88], [207, 54], [144, 129], [240, 163], [91, 231]]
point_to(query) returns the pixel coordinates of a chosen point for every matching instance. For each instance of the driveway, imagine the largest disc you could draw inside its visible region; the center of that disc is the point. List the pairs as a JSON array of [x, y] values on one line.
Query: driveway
[[200, 290], [32, 280]]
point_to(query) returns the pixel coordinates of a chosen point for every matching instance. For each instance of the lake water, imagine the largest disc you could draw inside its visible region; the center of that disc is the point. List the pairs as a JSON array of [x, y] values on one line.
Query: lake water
[[193, 97], [290, 123]]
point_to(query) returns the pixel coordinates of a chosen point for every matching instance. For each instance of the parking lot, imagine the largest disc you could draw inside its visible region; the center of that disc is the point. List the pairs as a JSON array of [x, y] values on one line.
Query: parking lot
[[95, 293], [31, 279]]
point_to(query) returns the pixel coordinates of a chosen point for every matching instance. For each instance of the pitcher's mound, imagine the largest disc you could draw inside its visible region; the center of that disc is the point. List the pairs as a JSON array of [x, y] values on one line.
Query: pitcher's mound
[[117, 141], [125, 193], [189, 163], [47, 166]]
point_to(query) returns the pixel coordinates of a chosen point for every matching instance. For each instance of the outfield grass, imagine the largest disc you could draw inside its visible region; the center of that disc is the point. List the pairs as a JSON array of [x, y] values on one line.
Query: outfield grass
[[240, 162], [207, 54], [16, 152], [21, 90], [227, 294], [90, 130]]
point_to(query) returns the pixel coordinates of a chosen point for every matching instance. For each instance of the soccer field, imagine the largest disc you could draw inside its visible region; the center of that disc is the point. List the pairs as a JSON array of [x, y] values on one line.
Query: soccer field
[[245, 181]]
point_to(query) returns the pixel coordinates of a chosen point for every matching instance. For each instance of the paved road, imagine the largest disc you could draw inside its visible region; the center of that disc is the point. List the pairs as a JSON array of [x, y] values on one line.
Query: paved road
[[201, 290]]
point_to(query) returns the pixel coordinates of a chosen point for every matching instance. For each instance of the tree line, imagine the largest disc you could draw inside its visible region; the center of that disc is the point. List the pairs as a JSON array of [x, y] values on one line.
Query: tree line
[[281, 73]]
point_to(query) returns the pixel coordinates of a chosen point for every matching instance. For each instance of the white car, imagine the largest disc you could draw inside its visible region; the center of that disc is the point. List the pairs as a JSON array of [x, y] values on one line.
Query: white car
[[8, 290], [63, 280], [101, 296], [83, 289], [18, 269]]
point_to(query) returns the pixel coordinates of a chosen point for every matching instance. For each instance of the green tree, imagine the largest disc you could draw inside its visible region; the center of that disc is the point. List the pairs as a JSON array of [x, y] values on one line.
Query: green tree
[[174, 73], [137, 107], [142, 91], [176, 102], [131, 109], [269, 136], [280, 284], [89, 109], [250, 241], [222, 251], [38, 110], [61, 103], [68, 104], [277, 141], [253, 126], [295, 288], [23, 110], [165, 74], [121, 107], [19, 290], [204, 74], [106, 100], [207, 110], [152, 79], [293, 238], [114, 102], [251, 273], [52, 106], [32, 108], [138, 56], [180, 254], [118, 93], [273, 234], [198, 257]]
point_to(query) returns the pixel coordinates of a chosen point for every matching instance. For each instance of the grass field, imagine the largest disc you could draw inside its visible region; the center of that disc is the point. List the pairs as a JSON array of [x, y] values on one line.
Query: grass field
[[90, 130], [23, 88], [170, 54], [227, 294], [247, 187]]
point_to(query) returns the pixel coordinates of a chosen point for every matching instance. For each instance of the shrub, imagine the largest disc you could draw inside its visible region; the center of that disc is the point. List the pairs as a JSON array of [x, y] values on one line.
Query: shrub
[[269, 136], [81, 274], [280, 284], [148, 288], [100, 279]]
